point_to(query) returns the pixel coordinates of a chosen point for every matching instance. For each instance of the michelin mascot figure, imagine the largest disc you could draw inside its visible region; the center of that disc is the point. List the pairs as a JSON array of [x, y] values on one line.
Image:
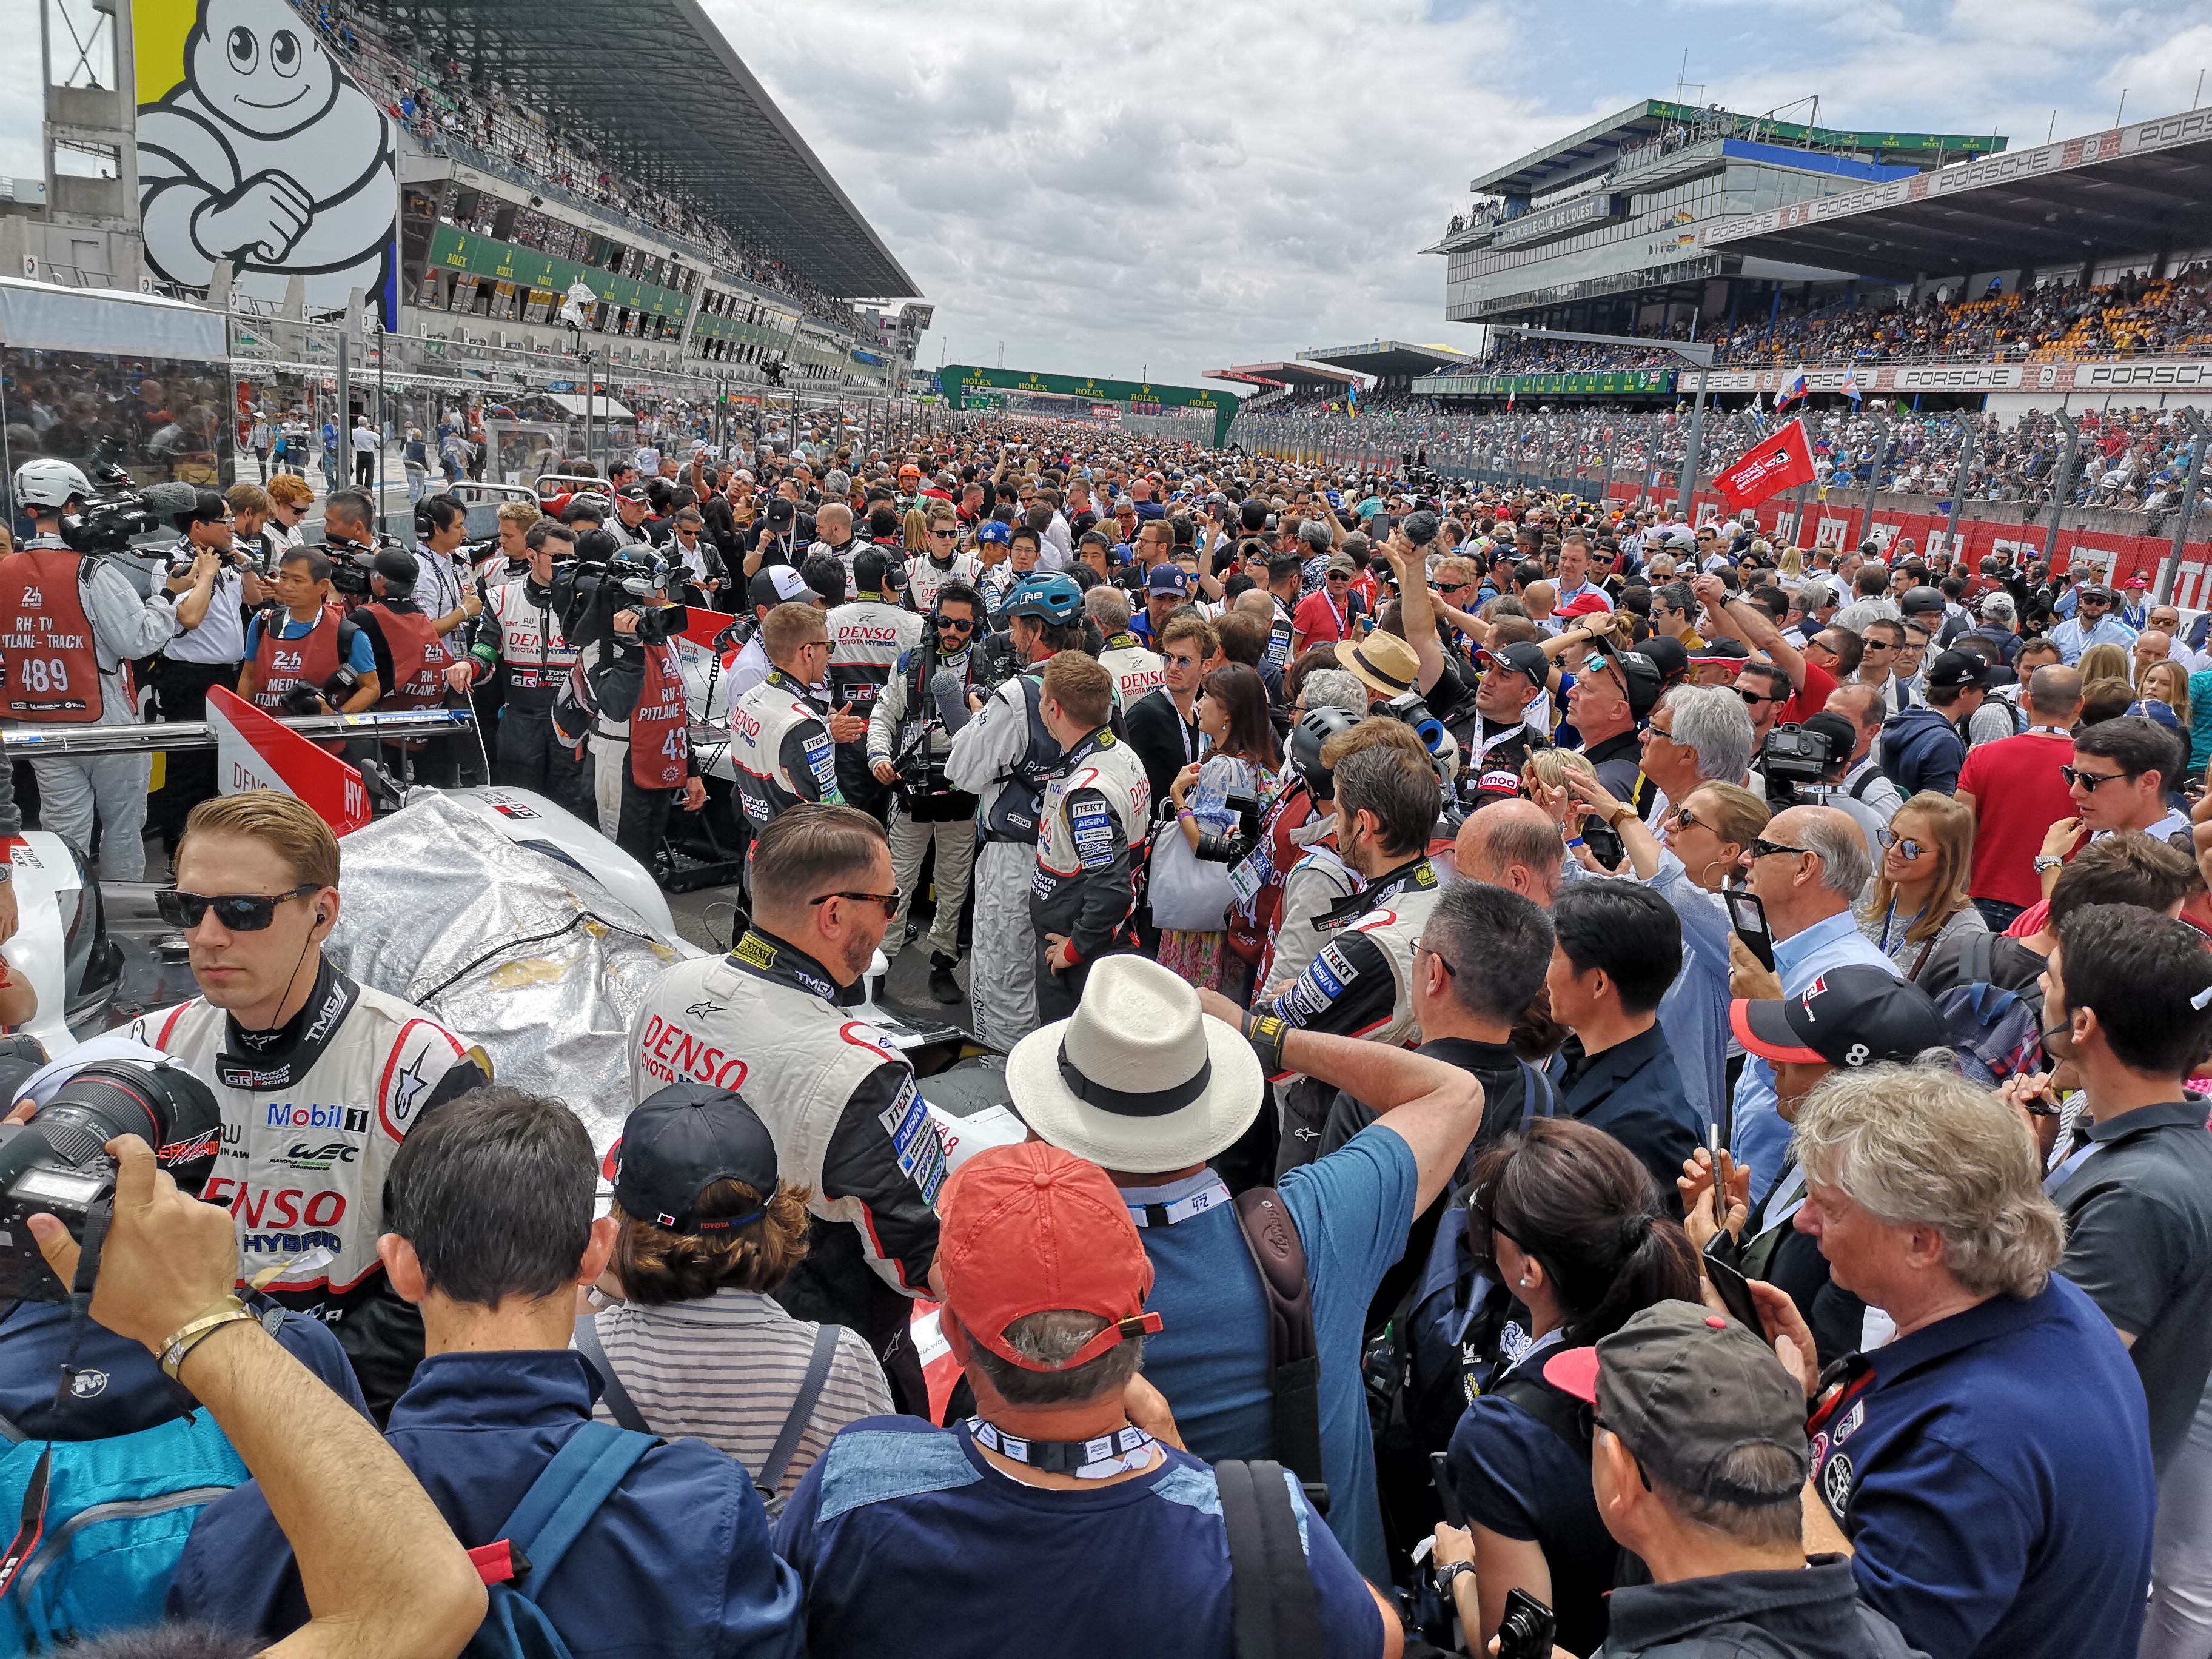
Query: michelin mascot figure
[[265, 154]]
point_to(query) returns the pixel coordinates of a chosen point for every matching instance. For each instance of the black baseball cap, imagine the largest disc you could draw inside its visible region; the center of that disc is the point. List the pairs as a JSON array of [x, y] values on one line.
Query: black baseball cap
[[1671, 656], [1685, 1389], [1848, 1016], [1639, 675], [398, 566], [680, 1140], [632, 492], [1958, 668], [1523, 657]]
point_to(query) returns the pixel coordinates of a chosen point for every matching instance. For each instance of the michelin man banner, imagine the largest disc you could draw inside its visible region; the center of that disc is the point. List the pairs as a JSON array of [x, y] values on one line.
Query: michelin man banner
[[257, 146]]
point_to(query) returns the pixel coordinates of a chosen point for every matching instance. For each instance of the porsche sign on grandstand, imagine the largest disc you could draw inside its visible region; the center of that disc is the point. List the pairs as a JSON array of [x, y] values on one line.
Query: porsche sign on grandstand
[[256, 146]]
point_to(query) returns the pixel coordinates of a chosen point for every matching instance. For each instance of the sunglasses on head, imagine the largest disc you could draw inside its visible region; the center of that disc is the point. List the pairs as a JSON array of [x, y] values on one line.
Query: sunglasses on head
[[238, 913]]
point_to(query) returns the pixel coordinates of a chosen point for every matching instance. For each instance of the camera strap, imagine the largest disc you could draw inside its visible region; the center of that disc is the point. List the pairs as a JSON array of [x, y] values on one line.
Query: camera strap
[[31, 1527]]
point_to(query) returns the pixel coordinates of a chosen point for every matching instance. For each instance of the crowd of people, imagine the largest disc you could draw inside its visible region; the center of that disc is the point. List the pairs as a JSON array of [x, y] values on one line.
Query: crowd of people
[[2129, 459], [1585, 1083]]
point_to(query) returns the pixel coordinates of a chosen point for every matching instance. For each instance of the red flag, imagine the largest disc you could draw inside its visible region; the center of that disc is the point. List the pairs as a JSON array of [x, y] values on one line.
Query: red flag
[[1773, 463]]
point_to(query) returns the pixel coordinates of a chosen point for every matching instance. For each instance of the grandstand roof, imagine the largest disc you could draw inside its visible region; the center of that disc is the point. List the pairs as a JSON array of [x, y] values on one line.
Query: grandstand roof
[[660, 95], [2132, 190], [1293, 373], [1586, 154], [1386, 358]]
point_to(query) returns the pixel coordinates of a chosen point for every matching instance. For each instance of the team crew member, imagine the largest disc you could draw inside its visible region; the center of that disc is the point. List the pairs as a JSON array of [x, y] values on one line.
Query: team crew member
[[306, 642], [209, 643], [780, 736], [318, 1078], [521, 631], [927, 573], [1137, 671], [640, 682], [850, 1124], [1003, 757], [868, 635], [1091, 830], [909, 729], [509, 562], [1359, 983], [75, 624]]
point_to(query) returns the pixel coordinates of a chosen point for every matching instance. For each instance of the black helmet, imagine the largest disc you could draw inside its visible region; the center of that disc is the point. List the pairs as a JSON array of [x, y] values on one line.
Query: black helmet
[[1316, 728]]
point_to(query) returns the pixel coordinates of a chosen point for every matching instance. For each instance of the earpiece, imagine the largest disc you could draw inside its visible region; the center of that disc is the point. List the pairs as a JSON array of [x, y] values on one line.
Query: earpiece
[[321, 916]]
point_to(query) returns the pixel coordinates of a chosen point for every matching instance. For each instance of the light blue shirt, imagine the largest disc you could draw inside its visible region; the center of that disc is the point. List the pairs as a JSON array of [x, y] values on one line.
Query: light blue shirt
[[2072, 639], [1761, 1139], [1694, 1013]]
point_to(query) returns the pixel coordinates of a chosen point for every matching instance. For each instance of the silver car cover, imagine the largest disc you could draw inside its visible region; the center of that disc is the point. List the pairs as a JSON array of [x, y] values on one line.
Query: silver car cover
[[513, 947]]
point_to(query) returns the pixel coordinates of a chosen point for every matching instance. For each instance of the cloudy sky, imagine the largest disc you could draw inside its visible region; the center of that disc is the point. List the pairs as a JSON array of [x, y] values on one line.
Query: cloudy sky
[[1127, 185]]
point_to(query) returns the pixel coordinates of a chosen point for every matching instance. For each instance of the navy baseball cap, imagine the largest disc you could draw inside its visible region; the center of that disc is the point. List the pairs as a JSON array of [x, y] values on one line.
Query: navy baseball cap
[[680, 1140], [1523, 657], [1167, 579]]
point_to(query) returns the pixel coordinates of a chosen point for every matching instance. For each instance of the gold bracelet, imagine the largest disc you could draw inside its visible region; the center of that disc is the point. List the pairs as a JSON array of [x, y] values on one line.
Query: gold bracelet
[[189, 1336]]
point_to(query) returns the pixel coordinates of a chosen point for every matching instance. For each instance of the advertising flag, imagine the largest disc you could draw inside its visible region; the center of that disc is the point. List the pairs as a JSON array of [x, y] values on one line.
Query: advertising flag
[[1772, 465], [1851, 385]]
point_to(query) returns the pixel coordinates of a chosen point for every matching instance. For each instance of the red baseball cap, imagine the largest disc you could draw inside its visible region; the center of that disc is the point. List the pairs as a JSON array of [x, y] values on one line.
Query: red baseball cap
[[1584, 604], [1031, 1229]]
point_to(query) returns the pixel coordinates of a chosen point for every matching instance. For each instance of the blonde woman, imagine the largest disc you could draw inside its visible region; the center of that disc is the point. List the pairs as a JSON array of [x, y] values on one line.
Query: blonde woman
[[2104, 662], [2168, 683], [914, 530], [1919, 898], [1791, 565]]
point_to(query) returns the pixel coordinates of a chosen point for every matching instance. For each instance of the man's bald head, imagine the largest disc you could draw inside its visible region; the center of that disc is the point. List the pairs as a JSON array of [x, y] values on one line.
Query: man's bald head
[[1255, 601], [833, 521], [1511, 844]]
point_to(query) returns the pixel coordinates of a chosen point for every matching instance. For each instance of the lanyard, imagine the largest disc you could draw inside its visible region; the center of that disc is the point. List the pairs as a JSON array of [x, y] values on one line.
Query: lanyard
[[2074, 1159], [1790, 1193], [1101, 1459], [1210, 1196]]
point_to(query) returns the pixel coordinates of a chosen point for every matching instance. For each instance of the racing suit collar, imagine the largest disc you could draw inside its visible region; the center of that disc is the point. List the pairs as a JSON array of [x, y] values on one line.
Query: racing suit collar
[[766, 957], [1376, 893], [279, 1058], [804, 693]]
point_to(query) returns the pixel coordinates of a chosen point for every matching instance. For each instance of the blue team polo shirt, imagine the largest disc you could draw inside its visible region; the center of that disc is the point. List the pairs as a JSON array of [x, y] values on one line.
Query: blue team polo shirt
[[1993, 1473], [1352, 1210]]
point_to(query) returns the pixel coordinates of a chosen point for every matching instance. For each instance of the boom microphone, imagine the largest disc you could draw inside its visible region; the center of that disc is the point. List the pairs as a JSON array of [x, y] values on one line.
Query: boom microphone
[[170, 499], [951, 694]]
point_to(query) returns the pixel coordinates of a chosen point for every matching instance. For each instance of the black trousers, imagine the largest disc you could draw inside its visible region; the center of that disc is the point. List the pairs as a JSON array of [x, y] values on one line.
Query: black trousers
[[530, 756], [644, 819], [364, 469], [188, 776]]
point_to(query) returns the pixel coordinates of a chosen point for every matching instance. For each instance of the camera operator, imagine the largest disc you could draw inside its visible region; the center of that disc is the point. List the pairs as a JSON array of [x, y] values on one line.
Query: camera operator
[[1093, 821], [638, 682], [76, 625], [302, 656], [909, 735], [520, 628], [318, 1078], [209, 643], [415, 663]]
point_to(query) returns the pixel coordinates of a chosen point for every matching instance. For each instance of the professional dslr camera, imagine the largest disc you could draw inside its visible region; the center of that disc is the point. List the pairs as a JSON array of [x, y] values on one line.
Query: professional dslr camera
[[1793, 757], [304, 699], [1234, 846], [351, 567], [599, 585], [57, 1163]]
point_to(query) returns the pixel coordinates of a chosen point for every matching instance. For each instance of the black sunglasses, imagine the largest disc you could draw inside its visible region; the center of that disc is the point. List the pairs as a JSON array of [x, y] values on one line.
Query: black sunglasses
[[889, 900], [1763, 848], [959, 623], [238, 913], [2091, 781]]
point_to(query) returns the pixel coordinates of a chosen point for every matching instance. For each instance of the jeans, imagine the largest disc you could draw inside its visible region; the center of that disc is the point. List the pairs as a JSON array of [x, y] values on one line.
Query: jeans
[[2180, 1622], [1997, 914]]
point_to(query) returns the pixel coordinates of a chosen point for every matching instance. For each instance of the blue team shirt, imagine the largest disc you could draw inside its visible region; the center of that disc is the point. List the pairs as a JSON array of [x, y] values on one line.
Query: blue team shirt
[[1352, 1210], [362, 658], [908, 1542], [1994, 1478]]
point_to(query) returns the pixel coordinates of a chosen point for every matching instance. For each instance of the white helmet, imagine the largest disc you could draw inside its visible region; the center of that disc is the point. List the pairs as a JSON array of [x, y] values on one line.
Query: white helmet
[[49, 483]]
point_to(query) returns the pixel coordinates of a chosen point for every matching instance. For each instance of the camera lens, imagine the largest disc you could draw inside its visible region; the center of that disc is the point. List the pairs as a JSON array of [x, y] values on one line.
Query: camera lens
[[170, 1109]]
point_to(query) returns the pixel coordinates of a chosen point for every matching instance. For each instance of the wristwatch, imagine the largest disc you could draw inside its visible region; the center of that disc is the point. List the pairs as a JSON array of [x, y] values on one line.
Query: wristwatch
[[1450, 1570], [2045, 861]]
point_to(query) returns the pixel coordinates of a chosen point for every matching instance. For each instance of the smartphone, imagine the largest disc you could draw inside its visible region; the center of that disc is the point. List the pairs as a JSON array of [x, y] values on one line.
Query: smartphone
[[1734, 1288], [1749, 917], [1440, 1477]]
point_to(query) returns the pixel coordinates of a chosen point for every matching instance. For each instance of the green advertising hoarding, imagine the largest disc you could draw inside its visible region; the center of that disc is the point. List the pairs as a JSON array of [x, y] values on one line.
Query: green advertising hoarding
[[964, 386], [487, 256], [1624, 382]]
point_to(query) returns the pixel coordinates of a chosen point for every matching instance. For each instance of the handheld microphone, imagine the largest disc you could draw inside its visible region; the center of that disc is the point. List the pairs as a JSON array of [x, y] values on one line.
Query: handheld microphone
[[951, 694]]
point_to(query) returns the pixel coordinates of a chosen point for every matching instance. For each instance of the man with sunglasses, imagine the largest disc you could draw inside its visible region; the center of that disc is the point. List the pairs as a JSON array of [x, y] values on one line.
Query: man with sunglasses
[[521, 629], [2092, 624], [940, 563], [318, 1079], [836, 1095], [2118, 785], [911, 727]]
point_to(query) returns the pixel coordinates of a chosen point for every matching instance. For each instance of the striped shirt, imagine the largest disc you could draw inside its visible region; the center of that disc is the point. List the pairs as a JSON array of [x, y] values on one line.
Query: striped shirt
[[727, 1370]]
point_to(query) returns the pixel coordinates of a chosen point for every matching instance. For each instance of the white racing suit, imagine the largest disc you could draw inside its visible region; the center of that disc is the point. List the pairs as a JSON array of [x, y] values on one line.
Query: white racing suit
[[1003, 757], [312, 1116], [849, 1121], [1359, 984]]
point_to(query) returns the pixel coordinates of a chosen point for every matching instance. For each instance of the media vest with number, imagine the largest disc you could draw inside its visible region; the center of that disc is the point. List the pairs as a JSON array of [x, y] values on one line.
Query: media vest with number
[[659, 727], [781, 750], [309, 658], [538, 655], [46, 638], [419, 659]]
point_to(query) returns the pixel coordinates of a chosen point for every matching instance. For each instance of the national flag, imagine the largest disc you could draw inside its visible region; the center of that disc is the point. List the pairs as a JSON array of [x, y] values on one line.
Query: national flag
[[1773, 463], [1852, 384], [1792, 389]]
